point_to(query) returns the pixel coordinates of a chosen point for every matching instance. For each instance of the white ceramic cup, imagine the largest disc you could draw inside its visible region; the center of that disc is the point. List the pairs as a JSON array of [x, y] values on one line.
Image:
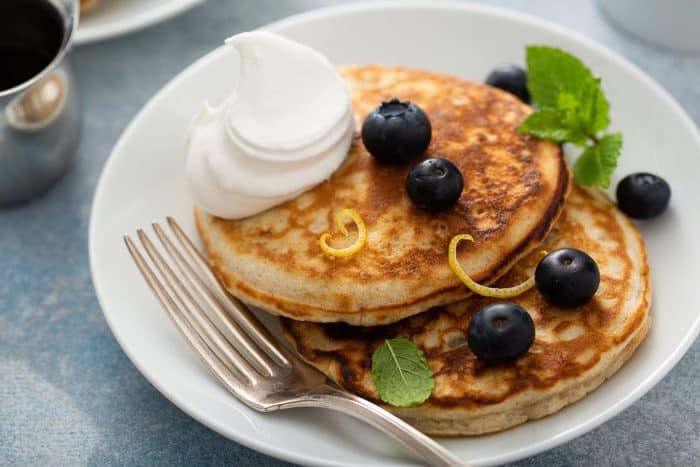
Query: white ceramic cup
[[669, 23]]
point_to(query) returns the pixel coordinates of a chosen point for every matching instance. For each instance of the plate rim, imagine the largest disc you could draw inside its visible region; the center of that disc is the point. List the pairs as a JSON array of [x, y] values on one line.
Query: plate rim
[[139, 21], [318, 14]]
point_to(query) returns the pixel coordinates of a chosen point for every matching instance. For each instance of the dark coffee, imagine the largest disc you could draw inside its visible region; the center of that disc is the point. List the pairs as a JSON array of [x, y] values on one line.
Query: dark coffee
[[31, 33]]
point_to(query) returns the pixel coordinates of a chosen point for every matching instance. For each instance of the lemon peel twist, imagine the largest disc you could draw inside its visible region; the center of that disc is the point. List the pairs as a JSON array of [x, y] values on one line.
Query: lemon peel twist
[[340, 223], [478, 288]]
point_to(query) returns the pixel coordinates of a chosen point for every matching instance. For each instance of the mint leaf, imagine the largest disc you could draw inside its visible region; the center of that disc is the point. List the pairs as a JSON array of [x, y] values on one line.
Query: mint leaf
[[594, 108], [551, 71], [559, 125], [546, 124], [401, 373], [571, 116], [597, 163]]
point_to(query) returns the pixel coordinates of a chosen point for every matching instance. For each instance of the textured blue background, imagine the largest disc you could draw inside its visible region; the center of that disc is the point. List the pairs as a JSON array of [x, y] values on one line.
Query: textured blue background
[[69, 395]]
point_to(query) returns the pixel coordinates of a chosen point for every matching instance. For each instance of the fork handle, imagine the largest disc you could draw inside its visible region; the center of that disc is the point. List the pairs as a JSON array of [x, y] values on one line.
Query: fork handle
[[335, 399]]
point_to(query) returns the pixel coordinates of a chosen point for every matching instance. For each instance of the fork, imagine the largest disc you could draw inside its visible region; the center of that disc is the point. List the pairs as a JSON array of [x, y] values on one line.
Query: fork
[[241, 352]]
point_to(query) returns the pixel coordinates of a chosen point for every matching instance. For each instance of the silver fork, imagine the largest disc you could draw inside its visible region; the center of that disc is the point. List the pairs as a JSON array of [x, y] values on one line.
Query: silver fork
[[240, 351]]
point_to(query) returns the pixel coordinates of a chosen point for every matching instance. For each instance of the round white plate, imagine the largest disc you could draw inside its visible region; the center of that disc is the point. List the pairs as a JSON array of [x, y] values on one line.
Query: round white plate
[[116, 17], [143, 181]]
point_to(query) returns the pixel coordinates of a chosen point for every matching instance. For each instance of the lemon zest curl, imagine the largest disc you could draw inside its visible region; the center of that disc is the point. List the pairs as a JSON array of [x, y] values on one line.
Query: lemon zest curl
[[479, 289], [340, 223]]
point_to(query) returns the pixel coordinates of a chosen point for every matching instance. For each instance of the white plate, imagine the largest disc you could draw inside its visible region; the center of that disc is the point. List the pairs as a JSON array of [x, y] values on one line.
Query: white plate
[[143, 181], [116, 17]]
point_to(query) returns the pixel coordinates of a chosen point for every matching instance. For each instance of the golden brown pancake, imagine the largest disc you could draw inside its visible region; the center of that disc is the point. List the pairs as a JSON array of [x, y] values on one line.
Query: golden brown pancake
[[574, 350], [515, 187]]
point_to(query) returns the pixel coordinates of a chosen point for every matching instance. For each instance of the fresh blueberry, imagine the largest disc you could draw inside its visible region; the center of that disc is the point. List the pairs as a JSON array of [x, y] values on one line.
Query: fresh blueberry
[[512, 79], [501, 332], [434, 184], [567, 277], [396, 131], [643, 195]]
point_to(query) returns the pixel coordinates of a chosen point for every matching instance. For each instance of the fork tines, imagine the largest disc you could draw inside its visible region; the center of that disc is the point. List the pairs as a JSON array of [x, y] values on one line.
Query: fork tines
[[221, 330]]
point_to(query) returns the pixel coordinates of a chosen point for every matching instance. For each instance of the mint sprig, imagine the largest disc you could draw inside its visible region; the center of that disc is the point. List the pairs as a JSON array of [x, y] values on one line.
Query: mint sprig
[[598, 161], [571, 108], [401, 373]]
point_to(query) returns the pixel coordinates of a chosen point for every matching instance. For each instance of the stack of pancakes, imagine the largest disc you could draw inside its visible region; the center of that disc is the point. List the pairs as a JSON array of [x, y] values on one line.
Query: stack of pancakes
[[517, 200]]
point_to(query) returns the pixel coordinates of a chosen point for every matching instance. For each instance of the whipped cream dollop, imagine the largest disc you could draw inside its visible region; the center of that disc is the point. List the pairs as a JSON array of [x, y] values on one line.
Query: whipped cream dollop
[[286, 127]]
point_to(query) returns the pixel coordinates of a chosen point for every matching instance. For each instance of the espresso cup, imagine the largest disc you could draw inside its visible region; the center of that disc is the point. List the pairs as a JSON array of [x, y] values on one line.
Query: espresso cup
[[40, 114]]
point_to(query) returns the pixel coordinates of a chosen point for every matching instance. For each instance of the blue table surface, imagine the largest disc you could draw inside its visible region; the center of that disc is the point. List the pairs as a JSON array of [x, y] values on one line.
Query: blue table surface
[[69, 395]]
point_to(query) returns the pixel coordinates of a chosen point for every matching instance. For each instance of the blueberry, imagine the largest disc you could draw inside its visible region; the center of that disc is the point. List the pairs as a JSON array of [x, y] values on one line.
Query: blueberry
[[567, 277], [643, 195], [501, 332], [434, 184], [396, 131], [512, 79]]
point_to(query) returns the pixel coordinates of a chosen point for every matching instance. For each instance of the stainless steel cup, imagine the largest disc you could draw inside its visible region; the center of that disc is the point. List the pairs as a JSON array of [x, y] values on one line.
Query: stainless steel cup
[[40, 122]]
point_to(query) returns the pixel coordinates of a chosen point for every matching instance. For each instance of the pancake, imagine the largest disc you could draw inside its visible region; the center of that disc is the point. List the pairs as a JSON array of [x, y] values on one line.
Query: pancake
[[574, 350], [515, 187]]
